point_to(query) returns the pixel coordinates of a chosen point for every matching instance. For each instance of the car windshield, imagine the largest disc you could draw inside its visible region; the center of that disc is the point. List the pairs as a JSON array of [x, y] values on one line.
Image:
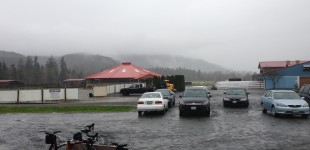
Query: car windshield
[[285, 95], [150, 95], [195, 93], [164, 92], [235, 92]]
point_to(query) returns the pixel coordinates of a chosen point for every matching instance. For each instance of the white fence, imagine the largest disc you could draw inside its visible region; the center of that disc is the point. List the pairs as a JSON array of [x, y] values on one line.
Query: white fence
[[38, 95], [242, 84]]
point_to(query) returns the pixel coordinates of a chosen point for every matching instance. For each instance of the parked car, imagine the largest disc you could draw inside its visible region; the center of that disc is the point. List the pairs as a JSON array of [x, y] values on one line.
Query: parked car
[[135, 88], [304, 91], [152, 102], [284, 102], [236, 96], [169, 95], [195, 99]]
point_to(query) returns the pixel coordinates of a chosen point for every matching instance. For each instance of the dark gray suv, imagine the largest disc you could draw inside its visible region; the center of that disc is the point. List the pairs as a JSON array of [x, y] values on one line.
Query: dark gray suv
[[195, 99], [304, 92]]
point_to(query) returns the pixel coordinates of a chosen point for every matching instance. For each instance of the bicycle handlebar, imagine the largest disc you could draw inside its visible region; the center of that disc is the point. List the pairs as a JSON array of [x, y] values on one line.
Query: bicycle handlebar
[[90, 127]]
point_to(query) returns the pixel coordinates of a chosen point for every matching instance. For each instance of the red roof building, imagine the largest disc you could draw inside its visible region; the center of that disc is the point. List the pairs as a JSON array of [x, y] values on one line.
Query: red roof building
[[10, 83], [267, 66], [122, 73]]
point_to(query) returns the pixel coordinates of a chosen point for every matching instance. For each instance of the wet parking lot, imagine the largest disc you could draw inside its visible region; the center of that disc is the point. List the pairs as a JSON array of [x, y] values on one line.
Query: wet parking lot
[[226, 128]]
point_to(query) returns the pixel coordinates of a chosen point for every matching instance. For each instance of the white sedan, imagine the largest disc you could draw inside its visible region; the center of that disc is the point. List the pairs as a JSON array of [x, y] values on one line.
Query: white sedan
[[152, 101]]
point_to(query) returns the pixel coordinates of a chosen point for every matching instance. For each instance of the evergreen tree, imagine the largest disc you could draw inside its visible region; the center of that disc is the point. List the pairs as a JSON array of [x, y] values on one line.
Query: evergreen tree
[[1, 71], [13, 72], [29, 70], [37, 73], [63, 74], [52, 70], [5, 71], [20, 70]]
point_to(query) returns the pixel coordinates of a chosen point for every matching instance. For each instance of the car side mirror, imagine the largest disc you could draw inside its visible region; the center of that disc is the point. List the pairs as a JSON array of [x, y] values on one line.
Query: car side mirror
[[303, 98], [209, 95], [224, 92], [180, 96], [247, 93]]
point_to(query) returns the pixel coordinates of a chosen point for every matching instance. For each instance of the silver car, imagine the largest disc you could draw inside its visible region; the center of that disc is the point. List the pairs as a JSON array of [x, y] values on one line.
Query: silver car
[[284, 102]]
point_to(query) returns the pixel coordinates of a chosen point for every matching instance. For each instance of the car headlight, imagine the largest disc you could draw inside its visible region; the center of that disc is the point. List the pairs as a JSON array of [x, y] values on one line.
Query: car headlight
[[243, 99], [281, 105], [226, 99], [305, 105], [205, 103]]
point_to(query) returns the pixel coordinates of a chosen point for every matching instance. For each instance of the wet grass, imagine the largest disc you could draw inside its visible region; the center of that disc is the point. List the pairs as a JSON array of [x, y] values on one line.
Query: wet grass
[[64, 109]]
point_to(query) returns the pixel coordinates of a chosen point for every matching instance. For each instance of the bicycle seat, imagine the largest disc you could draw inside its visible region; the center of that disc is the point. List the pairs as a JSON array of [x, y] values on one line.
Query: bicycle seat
[[92, 135]]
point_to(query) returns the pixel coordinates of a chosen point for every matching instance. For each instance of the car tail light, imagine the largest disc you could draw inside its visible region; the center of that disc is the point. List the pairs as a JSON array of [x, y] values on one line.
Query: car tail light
[[158, 102], [140, 102]]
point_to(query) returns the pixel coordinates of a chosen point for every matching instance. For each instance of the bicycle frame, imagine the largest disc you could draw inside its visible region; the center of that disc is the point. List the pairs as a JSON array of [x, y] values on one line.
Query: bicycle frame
[[78, 143]]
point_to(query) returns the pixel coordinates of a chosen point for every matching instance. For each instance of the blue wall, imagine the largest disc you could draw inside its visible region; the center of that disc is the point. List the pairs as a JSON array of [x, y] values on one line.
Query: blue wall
[[296, 70], [289, 77], [285, 82]]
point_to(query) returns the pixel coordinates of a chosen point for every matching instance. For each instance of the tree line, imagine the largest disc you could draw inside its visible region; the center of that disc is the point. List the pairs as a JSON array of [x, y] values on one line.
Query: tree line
[[197, 75], [30, 71]]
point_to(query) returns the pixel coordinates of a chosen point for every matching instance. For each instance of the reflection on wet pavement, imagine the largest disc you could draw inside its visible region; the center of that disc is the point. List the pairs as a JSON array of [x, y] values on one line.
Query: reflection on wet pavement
[[226, 128]]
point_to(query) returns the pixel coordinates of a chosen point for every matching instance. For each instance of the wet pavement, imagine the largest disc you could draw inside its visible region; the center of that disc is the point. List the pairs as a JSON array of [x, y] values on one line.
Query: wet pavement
[[226, 128]]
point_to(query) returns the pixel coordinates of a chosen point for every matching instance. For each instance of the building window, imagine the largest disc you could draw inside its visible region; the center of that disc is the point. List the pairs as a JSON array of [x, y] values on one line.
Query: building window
[[306, 67]]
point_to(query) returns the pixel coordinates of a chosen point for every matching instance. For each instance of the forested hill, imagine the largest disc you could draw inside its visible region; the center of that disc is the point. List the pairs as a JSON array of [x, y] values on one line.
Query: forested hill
[[85, 63], [17, 66], [10, 57], [166, 61], [88, 63]]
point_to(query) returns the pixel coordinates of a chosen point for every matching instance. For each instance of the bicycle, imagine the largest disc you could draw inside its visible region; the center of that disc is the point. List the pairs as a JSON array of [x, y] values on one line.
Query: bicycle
[[78, 143]]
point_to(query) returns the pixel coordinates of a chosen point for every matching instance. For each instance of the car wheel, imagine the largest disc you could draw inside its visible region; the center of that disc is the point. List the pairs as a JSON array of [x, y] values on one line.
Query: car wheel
[[207, 113], [224, 104], [163, 111], [181, 113], [140, 113], [169, 104], [264, 110], [246, 105], [304, 116], [273, 111]]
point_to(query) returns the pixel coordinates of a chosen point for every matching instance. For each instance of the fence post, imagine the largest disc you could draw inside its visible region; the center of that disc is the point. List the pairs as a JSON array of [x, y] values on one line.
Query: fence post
[[65, 91], [42, 95], [17, 96]]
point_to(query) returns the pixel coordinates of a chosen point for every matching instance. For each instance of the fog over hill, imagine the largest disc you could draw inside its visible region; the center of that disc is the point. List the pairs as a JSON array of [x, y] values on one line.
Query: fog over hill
[[10, 57], [90, 63], [153, 61]]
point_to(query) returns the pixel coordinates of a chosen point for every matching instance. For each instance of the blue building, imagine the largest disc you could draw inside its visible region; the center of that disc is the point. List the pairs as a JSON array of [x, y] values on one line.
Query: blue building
[[288, 77]]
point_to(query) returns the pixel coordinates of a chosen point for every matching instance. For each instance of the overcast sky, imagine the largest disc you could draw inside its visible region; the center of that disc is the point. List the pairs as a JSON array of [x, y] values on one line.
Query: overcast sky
[[235, 34]]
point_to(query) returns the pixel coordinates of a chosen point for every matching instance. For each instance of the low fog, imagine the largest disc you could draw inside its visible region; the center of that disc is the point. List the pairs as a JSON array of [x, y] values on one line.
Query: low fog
[[235, 34]]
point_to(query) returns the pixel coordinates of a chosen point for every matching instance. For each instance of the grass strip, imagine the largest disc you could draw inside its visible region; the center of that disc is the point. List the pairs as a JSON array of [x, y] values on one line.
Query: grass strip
[[64, 109]]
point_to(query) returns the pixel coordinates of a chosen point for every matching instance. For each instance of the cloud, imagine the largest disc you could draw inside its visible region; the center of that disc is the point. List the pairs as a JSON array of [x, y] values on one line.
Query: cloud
[[235, 34]]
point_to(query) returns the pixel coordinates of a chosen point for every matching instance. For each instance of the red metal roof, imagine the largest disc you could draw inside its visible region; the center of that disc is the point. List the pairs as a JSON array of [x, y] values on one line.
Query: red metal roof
[[6, 81], [278, 64], [124, 71], [302, 62]]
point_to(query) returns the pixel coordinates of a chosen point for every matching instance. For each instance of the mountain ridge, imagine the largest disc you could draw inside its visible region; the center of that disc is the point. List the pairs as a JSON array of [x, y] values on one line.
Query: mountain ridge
[[93, 63]]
